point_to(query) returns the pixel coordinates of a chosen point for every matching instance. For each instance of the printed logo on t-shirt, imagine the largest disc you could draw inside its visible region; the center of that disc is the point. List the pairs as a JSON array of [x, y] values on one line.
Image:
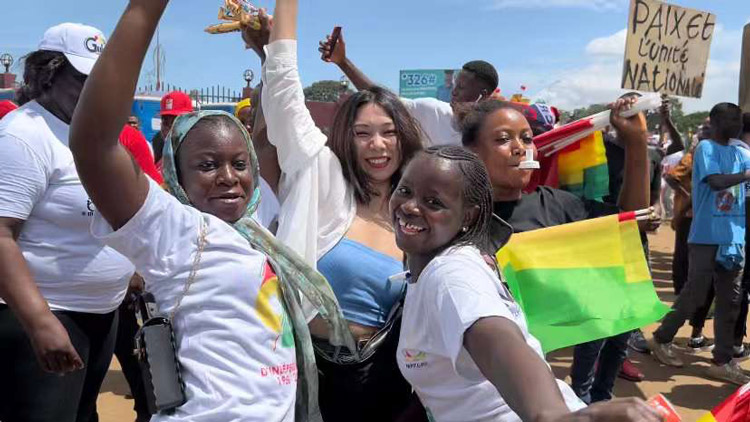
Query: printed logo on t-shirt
[[414, 359], [271, 311], [89, 209], [726, 199]]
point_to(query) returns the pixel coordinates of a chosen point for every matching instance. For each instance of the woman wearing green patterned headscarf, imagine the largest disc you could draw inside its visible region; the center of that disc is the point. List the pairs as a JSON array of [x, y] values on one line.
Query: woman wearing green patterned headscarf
[[234, 292]]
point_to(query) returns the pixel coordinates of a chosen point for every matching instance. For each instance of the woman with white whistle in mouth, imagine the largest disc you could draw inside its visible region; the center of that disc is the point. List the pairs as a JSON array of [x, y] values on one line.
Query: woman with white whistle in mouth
[[334, 195]]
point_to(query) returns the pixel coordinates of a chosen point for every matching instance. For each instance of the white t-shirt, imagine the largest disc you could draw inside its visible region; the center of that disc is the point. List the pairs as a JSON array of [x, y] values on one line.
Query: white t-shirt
[[234, 340], [39, 184], [436, 119], [267, 213], [456, 289]]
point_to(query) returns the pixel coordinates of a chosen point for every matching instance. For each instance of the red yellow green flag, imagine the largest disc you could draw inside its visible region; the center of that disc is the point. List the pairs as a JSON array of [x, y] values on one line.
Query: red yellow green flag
[[734, 409], [581, 281], [582, 168]]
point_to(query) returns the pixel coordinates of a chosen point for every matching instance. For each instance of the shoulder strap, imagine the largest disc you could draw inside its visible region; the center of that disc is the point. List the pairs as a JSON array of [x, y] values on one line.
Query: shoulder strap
[[194, 268]]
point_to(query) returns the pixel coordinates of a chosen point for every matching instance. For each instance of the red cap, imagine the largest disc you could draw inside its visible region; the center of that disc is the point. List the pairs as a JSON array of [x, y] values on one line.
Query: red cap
[[6, 106], [175, 103]]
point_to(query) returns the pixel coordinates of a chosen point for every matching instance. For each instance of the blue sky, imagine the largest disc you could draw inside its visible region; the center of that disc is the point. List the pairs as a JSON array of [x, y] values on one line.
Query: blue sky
[[568, 52]]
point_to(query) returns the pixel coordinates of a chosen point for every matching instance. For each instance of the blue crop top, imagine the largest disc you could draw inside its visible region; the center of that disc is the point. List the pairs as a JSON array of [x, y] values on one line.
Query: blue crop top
[[359, 278]]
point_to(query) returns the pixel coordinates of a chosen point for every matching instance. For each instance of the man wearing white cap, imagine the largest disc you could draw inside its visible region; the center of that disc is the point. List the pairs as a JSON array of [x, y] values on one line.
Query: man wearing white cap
[[59, 287]]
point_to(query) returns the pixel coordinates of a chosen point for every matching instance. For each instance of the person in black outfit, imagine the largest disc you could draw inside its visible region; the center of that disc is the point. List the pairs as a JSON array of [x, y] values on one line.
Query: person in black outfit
[[500, 135], [125, 345]]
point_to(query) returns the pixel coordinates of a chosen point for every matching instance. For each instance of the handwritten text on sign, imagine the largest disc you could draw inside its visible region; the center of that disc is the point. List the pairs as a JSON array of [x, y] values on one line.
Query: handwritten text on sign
[[667, 48]]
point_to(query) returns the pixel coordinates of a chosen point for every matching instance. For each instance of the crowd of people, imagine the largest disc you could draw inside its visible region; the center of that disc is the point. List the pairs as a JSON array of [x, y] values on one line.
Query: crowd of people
[[337, 276]]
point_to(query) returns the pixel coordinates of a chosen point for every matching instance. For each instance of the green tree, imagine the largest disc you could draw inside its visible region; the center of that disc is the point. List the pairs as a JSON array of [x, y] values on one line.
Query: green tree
[[691, 121], [325, 91]]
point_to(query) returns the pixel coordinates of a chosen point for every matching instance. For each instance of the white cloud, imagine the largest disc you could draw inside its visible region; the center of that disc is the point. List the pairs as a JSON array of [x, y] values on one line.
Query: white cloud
[[598, 80], [598, 5], [613, 45]]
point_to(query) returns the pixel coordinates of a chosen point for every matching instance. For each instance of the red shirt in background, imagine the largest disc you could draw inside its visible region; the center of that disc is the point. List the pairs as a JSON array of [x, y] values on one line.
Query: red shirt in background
[[137, 145]]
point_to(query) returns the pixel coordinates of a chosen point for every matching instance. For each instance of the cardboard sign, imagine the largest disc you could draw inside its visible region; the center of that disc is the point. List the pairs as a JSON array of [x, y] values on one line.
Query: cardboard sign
[[745, 71], [667, 48]]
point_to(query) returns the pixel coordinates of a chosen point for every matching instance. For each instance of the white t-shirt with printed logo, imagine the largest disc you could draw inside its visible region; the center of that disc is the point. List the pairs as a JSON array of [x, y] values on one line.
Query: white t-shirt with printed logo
[[456, 289], [436, 119], [234, 340], [39, 184]]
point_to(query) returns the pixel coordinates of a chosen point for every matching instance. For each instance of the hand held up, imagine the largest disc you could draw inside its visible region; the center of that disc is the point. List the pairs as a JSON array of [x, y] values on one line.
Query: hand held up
[[333, 48], [630, 129]]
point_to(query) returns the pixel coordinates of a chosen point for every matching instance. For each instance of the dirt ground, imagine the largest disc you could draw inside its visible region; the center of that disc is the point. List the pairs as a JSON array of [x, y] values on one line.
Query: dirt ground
[[686, 388]]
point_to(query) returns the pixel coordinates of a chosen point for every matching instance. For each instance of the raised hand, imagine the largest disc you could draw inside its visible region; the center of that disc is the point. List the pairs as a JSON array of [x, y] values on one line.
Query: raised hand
[[256, 39], [665, 109], [333, 53], [630, 129]]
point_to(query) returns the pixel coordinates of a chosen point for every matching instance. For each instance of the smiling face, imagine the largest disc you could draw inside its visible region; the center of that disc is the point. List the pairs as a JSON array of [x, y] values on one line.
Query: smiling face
[[376, 143], [501, 143], [215, 170], [427, 207]]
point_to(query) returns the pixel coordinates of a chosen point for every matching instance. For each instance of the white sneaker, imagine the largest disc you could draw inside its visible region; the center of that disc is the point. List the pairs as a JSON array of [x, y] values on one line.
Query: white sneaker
[[665, 353], [729, 372]]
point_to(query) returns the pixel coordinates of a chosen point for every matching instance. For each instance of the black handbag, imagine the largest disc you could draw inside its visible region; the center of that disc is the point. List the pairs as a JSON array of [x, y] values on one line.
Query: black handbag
[[155, 347]]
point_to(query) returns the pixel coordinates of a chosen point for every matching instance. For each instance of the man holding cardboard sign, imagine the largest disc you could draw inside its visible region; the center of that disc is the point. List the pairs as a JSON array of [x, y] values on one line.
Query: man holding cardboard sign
[[667, 48]]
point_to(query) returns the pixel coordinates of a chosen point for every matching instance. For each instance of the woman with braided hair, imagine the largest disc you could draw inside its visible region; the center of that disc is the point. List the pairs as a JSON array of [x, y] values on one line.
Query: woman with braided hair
[[465, 345]]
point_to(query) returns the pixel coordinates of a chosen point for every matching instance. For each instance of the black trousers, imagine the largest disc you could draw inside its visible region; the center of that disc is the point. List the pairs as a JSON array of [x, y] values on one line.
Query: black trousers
[[371, 391], [704, 271], [128, 327], [591, 383], [680, 264], [28, 394]]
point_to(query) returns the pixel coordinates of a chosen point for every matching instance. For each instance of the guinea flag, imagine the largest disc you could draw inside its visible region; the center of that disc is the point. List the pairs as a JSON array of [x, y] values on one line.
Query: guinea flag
[[581, 281]]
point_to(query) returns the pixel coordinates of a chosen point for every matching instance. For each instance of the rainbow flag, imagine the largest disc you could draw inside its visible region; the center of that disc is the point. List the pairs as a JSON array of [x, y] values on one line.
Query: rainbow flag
[[734, 409], [581, 281], [582, 168]]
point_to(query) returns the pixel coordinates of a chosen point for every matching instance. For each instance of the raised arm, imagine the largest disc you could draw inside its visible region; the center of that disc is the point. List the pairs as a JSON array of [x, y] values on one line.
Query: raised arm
[[635, 193], [336, 53], [115, 183], [666, 121], [257, 39], [291, 128]]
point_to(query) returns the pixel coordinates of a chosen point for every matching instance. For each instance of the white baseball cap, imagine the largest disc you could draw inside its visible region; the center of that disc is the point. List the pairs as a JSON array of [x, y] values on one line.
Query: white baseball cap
[[81, 44]]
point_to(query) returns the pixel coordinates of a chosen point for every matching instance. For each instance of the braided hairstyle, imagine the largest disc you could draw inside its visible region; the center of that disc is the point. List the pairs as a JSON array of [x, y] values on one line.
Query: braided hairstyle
[[477, 191], [39, 72], [473, 120]]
